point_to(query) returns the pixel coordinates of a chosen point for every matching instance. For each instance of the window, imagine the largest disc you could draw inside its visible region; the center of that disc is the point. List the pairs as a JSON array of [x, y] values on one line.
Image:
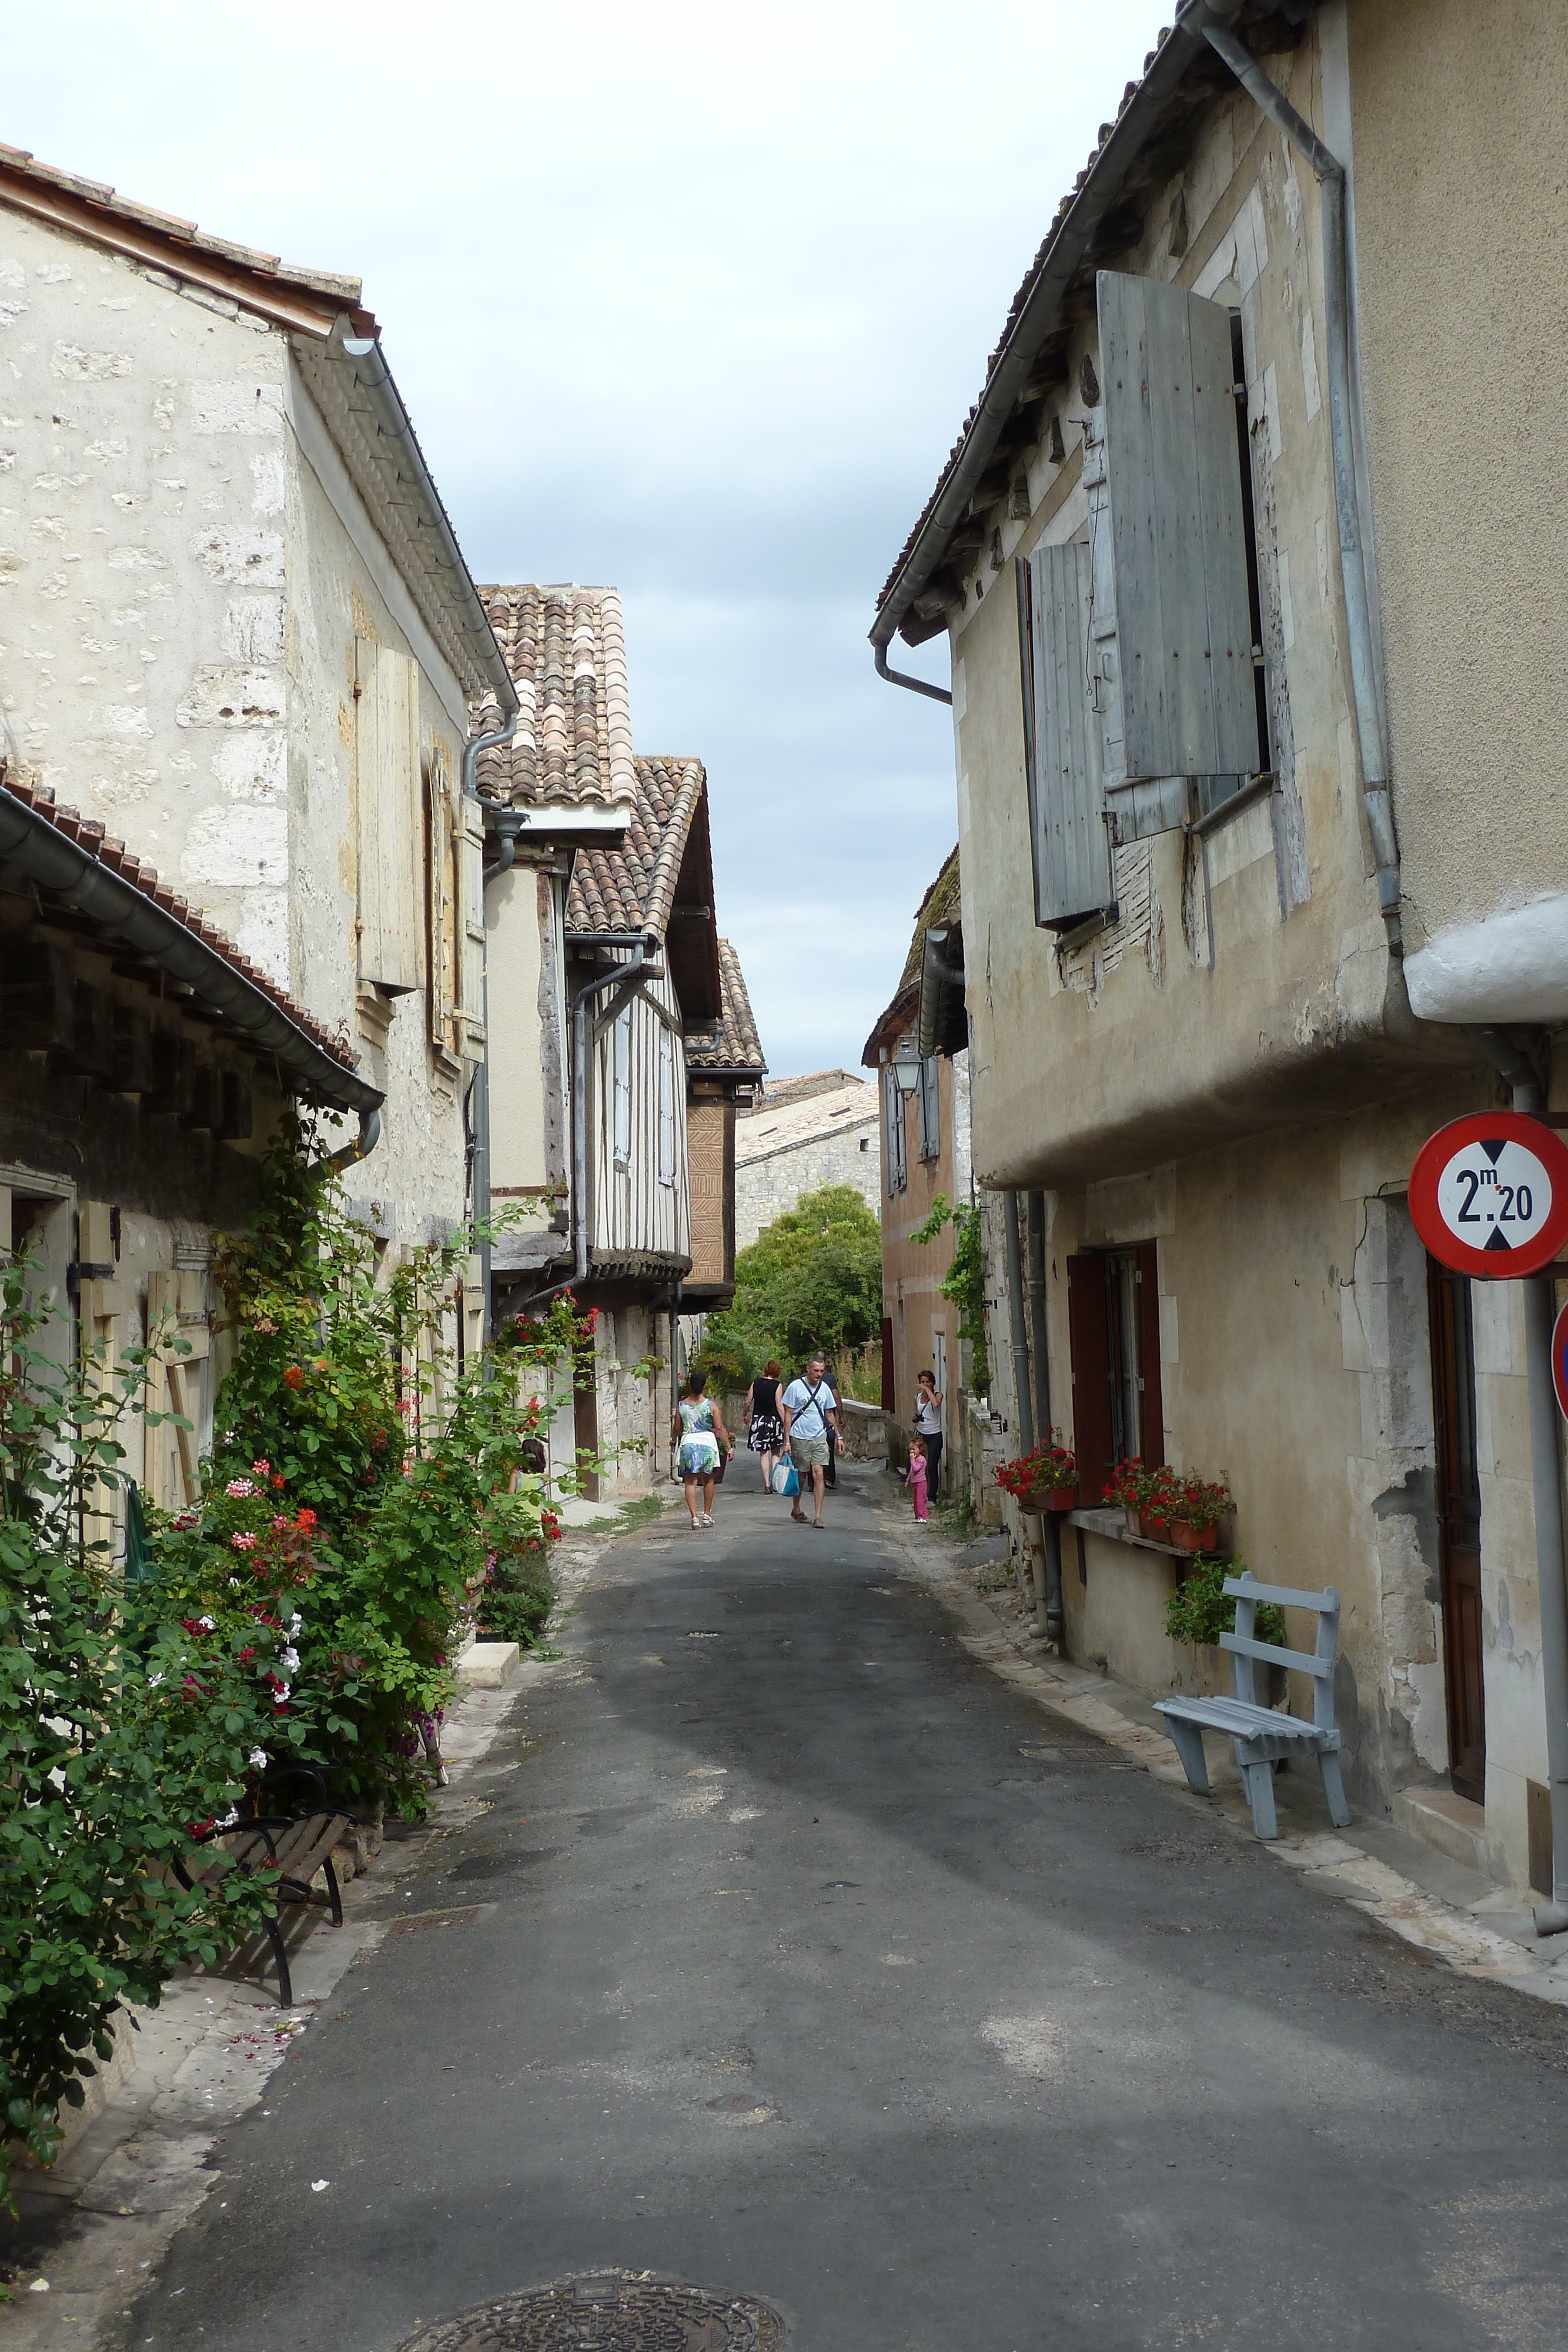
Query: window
[[666, 1107], [893, 1128], [621, 1059], [1113, 1328], [928, 1096], [1142, 703]]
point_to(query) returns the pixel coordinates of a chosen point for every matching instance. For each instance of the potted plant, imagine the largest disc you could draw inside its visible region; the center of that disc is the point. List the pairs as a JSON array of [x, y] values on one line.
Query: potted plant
[[1198, 1613], [1135, 1488], [1192, 1508], [1045, 1479]]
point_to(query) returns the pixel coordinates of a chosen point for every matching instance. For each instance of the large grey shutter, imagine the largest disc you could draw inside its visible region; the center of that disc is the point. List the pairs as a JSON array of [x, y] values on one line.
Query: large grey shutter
[[1071, 852], [1178, 555]]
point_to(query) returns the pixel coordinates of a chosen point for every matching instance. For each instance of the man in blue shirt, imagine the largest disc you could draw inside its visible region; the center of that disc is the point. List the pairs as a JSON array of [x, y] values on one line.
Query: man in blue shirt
[[809, 1409]]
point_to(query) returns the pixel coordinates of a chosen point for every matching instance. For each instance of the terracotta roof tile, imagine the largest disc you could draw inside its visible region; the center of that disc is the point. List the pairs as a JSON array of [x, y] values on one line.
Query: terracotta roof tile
[[633, 888], [565, 649], [736, 1043]]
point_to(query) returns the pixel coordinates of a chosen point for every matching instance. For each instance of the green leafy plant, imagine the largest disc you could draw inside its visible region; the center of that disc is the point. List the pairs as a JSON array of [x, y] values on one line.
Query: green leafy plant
[[963, 1284], [811, 1279], [124, 1732], [1197, 1611]]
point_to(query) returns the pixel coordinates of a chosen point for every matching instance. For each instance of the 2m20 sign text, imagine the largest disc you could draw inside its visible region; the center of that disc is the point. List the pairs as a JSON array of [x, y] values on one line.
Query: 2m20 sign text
[[1488, 1195]]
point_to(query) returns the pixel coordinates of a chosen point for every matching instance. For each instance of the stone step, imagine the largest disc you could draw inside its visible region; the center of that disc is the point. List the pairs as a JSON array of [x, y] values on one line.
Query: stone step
[[1453, 1824], [488, 1665]]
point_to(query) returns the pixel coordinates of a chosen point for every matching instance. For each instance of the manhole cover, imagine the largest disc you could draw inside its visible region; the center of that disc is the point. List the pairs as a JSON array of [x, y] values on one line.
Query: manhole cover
[[613, 2313]]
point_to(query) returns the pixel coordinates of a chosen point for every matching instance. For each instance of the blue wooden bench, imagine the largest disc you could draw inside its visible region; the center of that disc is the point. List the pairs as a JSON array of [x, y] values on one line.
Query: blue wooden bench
[[1259, 1734]]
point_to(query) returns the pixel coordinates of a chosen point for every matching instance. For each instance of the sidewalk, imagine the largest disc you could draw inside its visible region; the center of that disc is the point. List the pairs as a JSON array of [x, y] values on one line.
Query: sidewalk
[[1476, 1926], [102, 2216]]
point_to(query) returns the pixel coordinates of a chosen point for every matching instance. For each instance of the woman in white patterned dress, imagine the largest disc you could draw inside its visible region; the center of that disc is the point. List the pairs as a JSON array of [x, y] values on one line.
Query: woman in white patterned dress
[[698, 1429]]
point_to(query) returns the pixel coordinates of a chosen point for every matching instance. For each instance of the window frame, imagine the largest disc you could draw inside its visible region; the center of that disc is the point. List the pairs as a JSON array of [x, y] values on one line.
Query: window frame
[[928, 1096], [1114, 1332], [895, 1156]]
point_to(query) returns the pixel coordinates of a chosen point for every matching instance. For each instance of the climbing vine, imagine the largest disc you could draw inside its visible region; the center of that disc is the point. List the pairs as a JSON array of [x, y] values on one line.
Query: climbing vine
[[965, 1281]]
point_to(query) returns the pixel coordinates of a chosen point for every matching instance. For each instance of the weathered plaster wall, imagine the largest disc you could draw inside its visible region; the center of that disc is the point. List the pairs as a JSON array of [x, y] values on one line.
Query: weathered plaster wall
[[1240, 967], [184, 570], [1462, 209], [765, 1188], [514, 956]]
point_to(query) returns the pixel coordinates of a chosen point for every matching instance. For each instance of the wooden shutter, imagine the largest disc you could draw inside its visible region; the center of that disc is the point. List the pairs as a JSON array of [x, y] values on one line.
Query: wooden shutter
[[443, 881], [1089, 1339], [1183, 663], [893, 1125], [389, 825], [172, 1466], [666, 1107], [1067, 797], [469, 834], [621, 1073], [1151, 1404]]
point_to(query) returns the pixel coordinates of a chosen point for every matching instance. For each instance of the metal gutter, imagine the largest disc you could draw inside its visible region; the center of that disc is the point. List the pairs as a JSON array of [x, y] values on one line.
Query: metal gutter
[[29, 839], [374, 379]]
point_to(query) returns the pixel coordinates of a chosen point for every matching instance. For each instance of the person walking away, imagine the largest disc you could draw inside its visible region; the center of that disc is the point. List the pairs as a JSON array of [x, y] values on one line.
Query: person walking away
[[928, 1425], [809, 1409], [698, 1429], [764, 1425], [914, 1477]]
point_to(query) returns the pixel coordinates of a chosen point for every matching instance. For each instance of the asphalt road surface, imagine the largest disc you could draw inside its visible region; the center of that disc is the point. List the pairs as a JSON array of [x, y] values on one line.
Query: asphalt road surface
[[810, 1964]]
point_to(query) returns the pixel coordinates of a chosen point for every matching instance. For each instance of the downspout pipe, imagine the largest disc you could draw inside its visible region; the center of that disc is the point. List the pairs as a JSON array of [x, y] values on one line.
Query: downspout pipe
[[1331, 176], [1052, 1624], [1022, 1403], [507, 837], [332, 1164], [1546, 1479], [902, 677]]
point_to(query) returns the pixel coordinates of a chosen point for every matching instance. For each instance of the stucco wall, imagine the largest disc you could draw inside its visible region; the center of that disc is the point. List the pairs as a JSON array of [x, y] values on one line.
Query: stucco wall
[[1461, 211], [184, 572], [765, 1188]]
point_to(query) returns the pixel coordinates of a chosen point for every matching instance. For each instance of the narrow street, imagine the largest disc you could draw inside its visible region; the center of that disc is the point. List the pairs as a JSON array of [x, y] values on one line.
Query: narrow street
[[799, 1960]]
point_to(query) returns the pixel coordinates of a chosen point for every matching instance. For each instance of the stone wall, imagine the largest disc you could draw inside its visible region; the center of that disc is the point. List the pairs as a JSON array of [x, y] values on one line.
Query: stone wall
[[765, 1188]]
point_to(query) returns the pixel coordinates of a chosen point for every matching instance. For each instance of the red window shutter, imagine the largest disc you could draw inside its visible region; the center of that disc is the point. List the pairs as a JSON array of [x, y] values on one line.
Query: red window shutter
[[1089, 1336], [889, 1387], [1151, 1415]]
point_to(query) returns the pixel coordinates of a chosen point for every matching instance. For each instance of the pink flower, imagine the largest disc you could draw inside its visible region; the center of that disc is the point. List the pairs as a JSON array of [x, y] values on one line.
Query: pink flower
[[237, 1487], [262, 1469], [280, 1522], [243, 1543]]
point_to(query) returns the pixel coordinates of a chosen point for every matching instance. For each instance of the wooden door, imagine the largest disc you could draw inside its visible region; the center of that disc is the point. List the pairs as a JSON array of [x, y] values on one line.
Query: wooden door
[[1459, 1526]]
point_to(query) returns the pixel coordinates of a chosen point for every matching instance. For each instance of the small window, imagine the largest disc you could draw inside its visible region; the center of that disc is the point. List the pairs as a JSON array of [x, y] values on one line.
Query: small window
[[892, 1128], [929, 1096], [666, 1107], [865, 1143], [621, 1055], [1113, 1328]]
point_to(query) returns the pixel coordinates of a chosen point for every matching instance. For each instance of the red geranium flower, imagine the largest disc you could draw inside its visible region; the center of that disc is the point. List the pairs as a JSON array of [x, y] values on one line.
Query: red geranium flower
[[294, 1378]]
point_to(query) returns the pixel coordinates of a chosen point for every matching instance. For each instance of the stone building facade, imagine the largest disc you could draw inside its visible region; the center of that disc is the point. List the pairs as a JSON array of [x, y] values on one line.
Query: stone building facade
[[787, 1147]]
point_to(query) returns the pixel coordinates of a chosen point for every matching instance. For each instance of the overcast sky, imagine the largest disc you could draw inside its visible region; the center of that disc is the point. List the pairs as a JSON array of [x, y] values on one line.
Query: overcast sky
[[688, 299]]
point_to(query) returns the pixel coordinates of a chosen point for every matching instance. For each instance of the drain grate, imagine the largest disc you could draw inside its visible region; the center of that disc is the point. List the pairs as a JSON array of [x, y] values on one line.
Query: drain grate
[[615, 2312], [1079, 1751]]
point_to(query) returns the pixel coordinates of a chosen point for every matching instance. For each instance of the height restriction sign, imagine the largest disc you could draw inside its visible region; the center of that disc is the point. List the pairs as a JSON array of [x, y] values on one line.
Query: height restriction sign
[[1488, 1195]]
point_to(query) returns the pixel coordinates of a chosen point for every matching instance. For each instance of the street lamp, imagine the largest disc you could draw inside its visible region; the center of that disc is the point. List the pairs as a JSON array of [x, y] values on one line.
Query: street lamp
[[906, 1069]]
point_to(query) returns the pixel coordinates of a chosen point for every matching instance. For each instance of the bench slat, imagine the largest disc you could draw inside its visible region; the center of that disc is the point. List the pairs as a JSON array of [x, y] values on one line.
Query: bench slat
[[1235, 1717], [1242, 1645], [1284, 1596]]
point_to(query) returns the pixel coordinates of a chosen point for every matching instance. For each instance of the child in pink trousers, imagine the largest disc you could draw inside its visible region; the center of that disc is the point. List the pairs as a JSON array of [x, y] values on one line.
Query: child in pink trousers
[[915, 1476]]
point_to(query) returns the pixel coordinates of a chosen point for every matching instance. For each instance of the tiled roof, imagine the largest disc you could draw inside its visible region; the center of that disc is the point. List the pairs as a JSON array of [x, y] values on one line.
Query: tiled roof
[[632, 889], [760, 1133], [815, 1082], [308, 298], [736, 1043], [566, 651], [939, 907]]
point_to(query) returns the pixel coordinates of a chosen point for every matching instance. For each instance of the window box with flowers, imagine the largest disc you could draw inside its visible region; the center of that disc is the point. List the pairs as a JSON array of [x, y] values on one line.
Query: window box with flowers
[[1170, 1507], [1043, 1480]]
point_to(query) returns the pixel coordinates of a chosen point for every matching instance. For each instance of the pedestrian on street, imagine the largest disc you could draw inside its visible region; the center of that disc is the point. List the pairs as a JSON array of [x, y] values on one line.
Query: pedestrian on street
[[698, 1429], [810, 1426], [928, 1425], [764, 1425], [914, 1477]]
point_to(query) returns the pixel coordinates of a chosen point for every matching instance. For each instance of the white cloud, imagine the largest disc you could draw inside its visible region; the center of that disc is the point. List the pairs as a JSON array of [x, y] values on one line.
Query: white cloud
[[691, 298]]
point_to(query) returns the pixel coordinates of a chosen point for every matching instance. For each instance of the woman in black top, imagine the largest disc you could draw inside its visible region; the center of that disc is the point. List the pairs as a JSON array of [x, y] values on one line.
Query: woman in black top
[[764, 1421]]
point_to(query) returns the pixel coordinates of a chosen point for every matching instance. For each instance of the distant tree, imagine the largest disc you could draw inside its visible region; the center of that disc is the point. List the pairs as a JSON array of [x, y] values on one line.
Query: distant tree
[[811, 1279]]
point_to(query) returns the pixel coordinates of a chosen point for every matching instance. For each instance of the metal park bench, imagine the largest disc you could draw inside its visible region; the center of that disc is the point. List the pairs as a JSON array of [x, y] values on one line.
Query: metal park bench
[[1259, 1734], [297, 1849]]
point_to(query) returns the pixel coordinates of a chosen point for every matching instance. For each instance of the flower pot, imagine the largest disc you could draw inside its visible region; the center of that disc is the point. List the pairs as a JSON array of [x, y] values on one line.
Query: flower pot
[[1187, 1538], [1051, 1498], [1156, 1530]]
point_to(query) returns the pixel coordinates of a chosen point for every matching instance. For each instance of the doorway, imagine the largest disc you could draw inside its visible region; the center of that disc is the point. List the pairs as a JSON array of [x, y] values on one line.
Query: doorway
[[1459, 1502]]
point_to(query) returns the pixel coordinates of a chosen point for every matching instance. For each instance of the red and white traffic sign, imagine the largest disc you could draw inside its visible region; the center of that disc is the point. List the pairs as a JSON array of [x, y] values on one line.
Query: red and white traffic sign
[[1489, 1194], [1560, 1360]]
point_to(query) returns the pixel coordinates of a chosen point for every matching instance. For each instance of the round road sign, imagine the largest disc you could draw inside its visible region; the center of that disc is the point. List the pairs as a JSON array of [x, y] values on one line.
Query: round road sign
[[1560, 1360], [1488, 1195]]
